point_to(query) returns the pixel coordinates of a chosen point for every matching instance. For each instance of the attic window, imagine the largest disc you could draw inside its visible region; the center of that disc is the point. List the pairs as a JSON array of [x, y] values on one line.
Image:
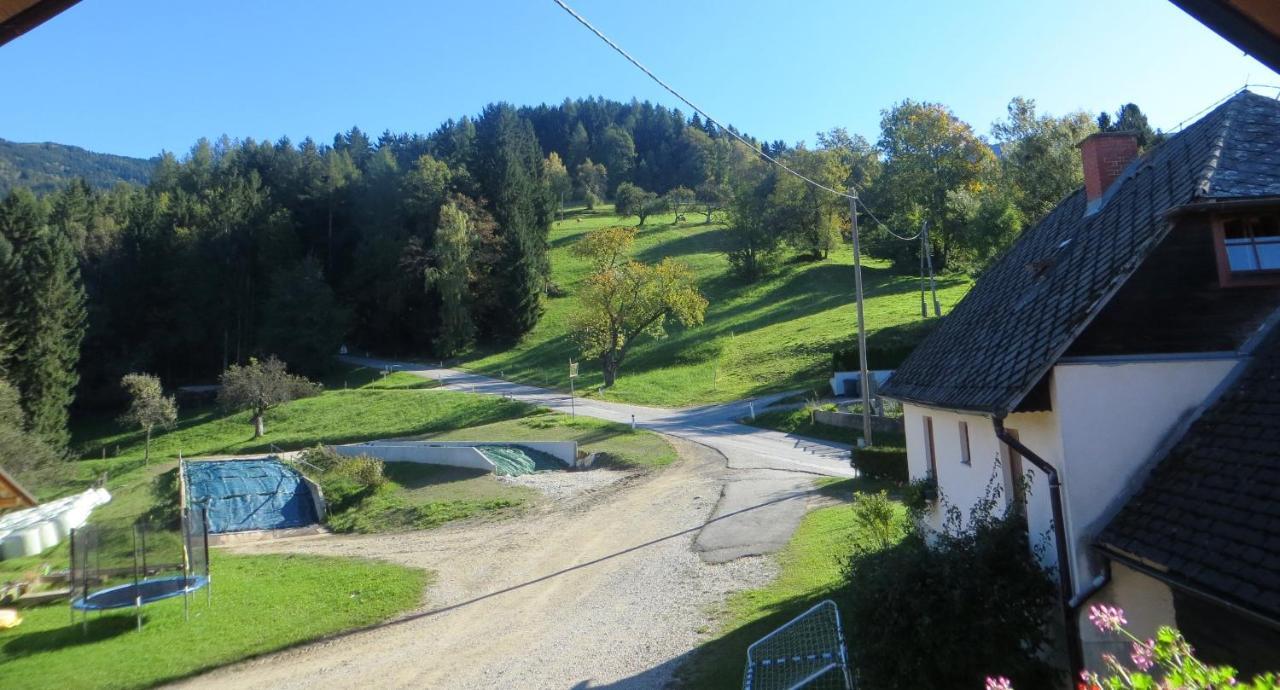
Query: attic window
[[1248, 248]]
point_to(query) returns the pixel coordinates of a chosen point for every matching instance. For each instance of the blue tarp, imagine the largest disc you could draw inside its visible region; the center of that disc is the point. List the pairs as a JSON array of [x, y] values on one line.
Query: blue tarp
[[245, 495]]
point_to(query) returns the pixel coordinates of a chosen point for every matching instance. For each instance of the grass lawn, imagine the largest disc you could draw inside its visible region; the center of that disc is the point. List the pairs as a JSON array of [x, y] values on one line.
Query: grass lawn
[[776, 334], [259, 604], [809, 571], [801, 423], [335, 416], [423, 496]]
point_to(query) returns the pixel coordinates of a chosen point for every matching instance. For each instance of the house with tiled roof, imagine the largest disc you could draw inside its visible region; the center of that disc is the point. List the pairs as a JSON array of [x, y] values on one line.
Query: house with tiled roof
[[1089, 377]]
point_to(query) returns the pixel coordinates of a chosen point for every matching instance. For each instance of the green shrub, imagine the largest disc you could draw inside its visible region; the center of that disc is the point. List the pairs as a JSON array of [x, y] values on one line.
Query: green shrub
[[364, 470], [342, 493], [949, 610], [345, 481], [879, 462], [323, 458]]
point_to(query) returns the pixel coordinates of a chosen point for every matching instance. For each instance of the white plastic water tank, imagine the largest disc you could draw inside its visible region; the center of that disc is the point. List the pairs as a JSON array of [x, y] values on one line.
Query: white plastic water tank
[[49, 536], [23, 542]]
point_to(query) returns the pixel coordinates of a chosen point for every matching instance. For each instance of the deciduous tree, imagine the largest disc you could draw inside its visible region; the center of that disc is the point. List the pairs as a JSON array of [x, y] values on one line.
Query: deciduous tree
[[149, 407], [557, 179], [624, 300], [449, 274], [677, 200], [630, 200], [262, 385]]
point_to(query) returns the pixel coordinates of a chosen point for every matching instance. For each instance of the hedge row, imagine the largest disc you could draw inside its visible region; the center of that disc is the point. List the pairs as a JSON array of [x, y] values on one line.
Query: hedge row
[[879, 462]]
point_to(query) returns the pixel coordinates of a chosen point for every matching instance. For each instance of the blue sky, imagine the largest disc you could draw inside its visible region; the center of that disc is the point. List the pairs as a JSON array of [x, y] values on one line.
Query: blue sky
[[137, 76]]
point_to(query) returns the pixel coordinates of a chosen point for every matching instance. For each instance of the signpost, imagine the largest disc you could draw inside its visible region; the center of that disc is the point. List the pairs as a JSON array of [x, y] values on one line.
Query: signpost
[[573, 374]]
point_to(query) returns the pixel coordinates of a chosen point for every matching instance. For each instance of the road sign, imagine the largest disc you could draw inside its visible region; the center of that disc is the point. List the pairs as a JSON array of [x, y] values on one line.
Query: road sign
[[573, 370]]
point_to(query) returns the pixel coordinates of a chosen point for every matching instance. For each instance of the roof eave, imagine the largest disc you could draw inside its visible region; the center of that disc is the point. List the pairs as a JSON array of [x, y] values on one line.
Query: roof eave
[[1159, 571]]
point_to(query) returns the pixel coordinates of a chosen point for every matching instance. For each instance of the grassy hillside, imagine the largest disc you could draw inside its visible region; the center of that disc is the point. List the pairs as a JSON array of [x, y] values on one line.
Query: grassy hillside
[[775, 334], [45, 167]]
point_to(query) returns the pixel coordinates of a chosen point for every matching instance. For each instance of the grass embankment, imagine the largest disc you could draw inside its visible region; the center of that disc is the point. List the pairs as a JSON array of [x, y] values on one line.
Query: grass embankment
[[809, 570], [364, 404], [771, 335], [423, 496], [259, 604], [800, 422], [372, 406]]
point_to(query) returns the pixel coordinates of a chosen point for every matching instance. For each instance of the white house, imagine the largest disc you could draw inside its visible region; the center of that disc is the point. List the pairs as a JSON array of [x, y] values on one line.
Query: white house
[[1083, 357]]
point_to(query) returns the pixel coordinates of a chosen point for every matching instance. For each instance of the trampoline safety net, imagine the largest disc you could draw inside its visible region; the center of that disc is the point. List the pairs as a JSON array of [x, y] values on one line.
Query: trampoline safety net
[[242, 495], [806, 652]]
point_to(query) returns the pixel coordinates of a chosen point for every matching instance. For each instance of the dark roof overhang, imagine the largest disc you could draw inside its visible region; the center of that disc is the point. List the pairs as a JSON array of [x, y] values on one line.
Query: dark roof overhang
[[1157, 571], [1225, 205], [17, 17], [1251, 25]]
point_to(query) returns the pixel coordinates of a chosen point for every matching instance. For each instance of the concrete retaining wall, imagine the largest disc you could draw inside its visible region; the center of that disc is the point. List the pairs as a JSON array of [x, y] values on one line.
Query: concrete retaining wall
[[848, 420], [455, 453], [431, 454]]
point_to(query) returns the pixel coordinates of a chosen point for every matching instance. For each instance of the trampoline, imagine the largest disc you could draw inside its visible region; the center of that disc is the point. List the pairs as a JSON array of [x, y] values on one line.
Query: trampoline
[[139, 593], [131, 565]]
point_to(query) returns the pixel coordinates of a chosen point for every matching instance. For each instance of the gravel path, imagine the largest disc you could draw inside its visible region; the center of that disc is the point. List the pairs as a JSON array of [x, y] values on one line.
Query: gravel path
[[602, 589]]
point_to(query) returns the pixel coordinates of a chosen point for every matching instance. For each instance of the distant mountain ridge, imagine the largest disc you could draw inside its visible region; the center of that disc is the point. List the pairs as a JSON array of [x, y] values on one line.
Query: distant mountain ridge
[[44, 167]]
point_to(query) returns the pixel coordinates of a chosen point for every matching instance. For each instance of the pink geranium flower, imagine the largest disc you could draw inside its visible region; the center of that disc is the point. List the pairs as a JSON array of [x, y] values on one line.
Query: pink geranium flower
[[998, 683], [1107, 618]]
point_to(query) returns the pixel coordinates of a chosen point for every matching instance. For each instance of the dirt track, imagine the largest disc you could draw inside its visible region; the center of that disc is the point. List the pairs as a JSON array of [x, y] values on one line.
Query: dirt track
[[600, 591]]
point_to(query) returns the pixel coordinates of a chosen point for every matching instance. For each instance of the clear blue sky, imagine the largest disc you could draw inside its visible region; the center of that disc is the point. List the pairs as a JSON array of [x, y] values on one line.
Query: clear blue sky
[[137, 76]]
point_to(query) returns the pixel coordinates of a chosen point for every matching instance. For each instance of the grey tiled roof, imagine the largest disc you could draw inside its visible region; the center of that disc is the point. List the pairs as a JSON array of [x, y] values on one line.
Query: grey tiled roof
[[1208, 516], [1032, 303]]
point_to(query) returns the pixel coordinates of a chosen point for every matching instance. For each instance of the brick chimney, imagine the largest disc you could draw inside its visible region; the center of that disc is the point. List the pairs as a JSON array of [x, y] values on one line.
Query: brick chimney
[[1105, 155]]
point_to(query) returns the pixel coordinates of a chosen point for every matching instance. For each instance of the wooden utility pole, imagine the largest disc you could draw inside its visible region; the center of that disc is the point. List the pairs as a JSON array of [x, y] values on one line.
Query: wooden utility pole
[[928, 257], [863, 375]]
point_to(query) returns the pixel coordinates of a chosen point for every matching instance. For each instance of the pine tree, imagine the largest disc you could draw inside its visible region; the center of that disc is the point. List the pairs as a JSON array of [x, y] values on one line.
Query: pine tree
[[509, 170], [45, 312]]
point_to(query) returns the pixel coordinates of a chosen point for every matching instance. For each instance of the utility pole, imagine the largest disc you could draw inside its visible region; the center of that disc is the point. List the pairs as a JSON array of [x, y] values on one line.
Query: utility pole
[[864, 375], [924, 309], [928, 257]]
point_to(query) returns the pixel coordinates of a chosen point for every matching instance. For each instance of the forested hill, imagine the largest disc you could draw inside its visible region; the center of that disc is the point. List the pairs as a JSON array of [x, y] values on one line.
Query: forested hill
[[47, 166]]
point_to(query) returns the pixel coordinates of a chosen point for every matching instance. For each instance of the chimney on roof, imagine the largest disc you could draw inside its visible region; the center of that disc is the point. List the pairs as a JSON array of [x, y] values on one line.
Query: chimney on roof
[[1105, 155]]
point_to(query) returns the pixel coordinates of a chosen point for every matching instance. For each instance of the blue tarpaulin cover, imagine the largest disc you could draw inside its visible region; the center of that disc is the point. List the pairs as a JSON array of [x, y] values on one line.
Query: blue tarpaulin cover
[[245, 495]]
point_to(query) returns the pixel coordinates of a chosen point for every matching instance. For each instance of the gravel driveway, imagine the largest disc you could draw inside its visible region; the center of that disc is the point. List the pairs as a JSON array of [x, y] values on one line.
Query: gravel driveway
[[600, 590]]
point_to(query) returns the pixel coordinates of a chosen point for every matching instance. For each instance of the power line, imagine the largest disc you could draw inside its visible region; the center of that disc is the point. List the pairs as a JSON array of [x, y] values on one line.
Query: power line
[[619, 49], [1220, 101]]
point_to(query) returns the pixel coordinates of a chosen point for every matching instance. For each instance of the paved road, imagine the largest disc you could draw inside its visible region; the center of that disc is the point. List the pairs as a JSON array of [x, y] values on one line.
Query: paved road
[[746, 447], [782, 467]]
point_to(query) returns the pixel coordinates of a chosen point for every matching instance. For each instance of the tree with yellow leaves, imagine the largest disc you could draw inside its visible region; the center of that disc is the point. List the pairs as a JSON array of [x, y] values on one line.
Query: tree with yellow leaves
[[624, 300]]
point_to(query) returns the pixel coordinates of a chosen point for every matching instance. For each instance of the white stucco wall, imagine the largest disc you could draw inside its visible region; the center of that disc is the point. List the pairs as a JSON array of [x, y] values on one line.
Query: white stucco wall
[[1114, 417], [1109, 418], [962, 485], [1147, 604]]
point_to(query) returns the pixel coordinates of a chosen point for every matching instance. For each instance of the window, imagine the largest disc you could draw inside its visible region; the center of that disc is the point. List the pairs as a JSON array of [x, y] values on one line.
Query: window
[[929, 455], [1015, 476], [1248, 249], [964, 444]]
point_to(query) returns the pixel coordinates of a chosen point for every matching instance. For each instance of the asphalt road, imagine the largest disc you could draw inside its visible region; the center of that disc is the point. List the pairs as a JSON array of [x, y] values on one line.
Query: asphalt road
[[760, 506]]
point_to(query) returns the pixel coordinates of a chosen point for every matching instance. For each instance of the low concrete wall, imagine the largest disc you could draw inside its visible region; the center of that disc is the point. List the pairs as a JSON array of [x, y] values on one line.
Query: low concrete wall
[[564, 451], [317, 497], [848, 420], [432, 454]]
